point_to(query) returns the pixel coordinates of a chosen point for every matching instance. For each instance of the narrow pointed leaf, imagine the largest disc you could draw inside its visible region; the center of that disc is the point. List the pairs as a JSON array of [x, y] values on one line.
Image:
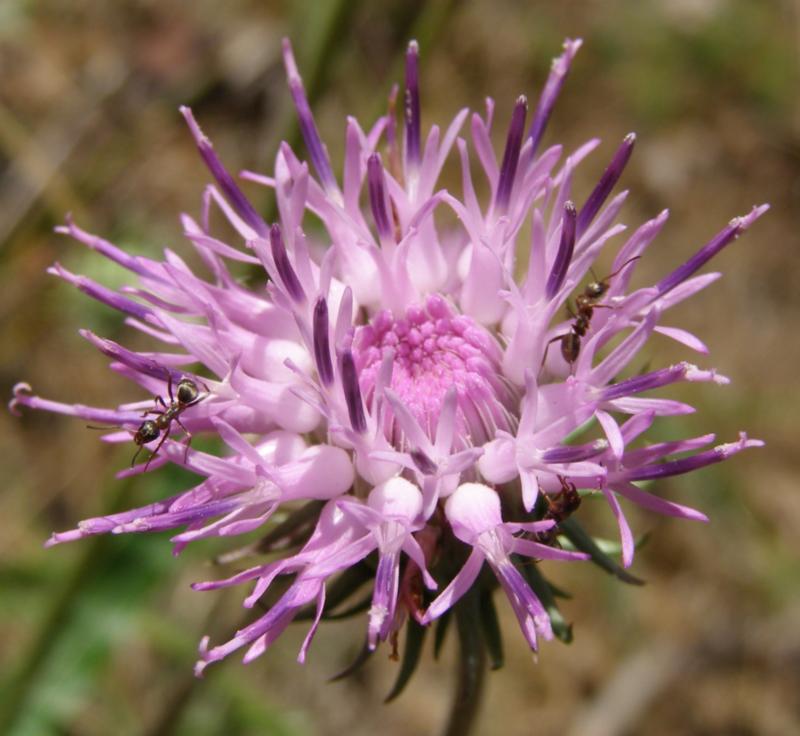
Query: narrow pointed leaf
[[442, 625], [490, 625], [582, 541], [415, 637], [356, 664]]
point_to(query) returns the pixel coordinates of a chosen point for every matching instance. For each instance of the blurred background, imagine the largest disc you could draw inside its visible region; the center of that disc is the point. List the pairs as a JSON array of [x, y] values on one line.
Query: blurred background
[[99, 637]]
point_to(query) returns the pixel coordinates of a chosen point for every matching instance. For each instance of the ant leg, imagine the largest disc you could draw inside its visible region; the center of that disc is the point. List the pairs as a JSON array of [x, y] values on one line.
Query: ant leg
[[169, 386], [188, 438], [156, 401], [158, 447], [547, 347], [136, 454]]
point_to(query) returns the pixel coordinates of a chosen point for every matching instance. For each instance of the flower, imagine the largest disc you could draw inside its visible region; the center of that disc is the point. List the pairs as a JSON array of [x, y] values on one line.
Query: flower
[[405, 393]]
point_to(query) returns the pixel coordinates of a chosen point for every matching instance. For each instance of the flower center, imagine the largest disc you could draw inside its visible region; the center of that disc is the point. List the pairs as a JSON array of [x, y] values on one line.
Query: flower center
[[435, 348]]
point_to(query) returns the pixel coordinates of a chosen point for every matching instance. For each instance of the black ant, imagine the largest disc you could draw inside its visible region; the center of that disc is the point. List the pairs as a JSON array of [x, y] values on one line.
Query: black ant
[[559, 508], [149, 430], [585, 304]]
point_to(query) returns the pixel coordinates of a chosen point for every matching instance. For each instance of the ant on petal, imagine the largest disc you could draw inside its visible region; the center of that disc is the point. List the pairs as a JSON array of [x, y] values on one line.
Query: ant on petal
[[560, 507], [585, 304], [186, 395]]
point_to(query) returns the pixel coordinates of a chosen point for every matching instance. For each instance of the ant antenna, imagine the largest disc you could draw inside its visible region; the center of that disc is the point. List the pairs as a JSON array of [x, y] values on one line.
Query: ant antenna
[[612, 275]]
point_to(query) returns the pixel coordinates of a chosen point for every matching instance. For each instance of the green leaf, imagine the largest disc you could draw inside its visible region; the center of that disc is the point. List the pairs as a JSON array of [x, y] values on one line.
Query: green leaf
[[490, 626], [584, 542], [442, 625], [415, 637], [356, 664], [610, 546]]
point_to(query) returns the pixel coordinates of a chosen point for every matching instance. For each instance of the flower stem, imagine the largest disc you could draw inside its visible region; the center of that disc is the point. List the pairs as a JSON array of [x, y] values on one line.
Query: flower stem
[[471, 672]]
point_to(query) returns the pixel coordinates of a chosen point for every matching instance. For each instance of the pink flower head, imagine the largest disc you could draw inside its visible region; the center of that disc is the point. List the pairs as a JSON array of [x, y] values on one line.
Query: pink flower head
[[429, 388]]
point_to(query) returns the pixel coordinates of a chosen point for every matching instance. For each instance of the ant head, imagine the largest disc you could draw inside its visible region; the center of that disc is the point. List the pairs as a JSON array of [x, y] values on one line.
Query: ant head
[[187, 392], [596, 289], [147, 432]]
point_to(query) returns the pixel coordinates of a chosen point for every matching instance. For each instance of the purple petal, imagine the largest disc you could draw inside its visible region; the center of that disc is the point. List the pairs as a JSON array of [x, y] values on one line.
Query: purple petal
[[656, 379], [607, 181], [352, 393], [552, 88], [411, 108], [574, 453], [322, 345], [308, 128], [138, 362], [508, 169], [102, 294], [624, 529], [530, 612], [565, 249], [143, 266], [301, 657], [424, 464], [384, 598], [458, 586], [725, 236], [654, 503], [229, 187], [23, 397], [377, 196], [687, 464], [284, 266], [544, 552]]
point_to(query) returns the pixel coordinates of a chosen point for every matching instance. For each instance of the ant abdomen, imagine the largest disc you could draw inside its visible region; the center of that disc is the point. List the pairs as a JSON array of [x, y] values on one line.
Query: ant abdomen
[[147, 432]]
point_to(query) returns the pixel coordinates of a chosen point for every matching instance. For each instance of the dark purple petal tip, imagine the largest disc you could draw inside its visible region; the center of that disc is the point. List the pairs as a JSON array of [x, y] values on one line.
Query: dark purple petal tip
[[552, 88], [352, 393], [229, 187], [411, 111], [508, 169], [308, 128], [284, 266], [725, 236], [322, 346], [377, 196], [425, 465], [565, 250], [663, 377], [694, 462], [607, 182]]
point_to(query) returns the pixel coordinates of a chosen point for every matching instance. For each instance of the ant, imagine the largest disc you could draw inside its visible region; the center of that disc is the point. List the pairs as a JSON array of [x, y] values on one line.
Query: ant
[[585, 304], [560, 507], [187, 395]]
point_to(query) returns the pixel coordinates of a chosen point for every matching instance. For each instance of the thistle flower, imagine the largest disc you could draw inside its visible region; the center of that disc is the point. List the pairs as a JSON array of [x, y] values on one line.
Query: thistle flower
[[408, 398]]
